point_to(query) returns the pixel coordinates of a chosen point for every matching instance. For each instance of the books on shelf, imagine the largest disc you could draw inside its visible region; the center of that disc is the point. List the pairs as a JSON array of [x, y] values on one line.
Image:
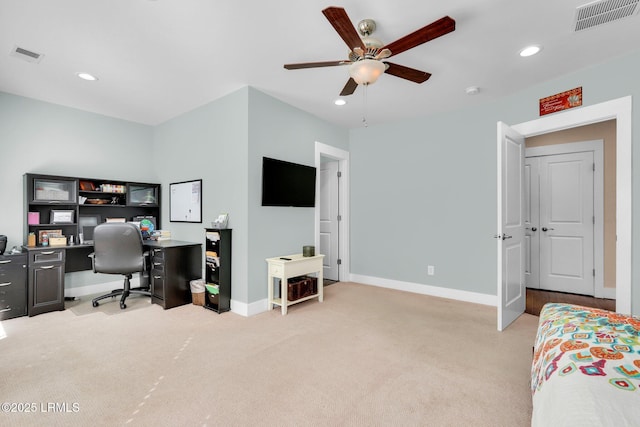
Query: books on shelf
[[33, 218], [113, 188], [161, 235]]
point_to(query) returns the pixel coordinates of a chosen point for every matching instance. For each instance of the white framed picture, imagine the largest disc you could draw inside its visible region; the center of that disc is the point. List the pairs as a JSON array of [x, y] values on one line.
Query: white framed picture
[[59, 216]]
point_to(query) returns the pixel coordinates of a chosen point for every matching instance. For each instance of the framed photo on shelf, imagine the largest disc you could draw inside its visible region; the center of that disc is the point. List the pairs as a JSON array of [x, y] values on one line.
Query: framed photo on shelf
[[87, 186], [185, 201], [61, 216], [221, 222], [49, 233]]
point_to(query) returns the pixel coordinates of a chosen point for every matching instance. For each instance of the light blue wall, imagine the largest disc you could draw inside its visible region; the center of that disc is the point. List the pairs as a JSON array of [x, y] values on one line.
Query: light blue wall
[[437, 184], [210, 143], [427, 198], [421, 195], [222, 143], [280, 131], [39, 137]]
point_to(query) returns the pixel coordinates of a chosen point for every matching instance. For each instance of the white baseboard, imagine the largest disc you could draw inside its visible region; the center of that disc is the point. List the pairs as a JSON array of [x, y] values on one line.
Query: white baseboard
[[435, 291], [251, 309]]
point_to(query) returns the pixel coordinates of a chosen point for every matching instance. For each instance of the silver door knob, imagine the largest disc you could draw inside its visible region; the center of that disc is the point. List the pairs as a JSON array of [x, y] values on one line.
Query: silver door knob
[[546, 229], [532, 228]]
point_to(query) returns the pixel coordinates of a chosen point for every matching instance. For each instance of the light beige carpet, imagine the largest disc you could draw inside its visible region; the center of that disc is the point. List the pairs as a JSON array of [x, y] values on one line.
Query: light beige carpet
[[366, 356]]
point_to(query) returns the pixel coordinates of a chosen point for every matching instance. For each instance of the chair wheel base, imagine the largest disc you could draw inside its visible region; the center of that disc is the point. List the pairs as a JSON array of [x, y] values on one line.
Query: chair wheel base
[[95, 303], [123, 305]]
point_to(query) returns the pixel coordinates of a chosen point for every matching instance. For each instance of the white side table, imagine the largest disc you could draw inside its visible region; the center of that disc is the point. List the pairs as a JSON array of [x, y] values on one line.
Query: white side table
[[289, 266]]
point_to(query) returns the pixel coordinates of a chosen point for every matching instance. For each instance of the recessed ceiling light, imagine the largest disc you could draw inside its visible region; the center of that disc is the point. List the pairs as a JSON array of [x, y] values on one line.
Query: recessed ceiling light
[[340, 101], [87, 76], [472, 90], [530, 50]]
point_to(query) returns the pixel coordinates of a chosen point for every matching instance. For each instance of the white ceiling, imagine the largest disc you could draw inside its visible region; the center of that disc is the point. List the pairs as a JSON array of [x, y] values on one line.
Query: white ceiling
[[158, 59]]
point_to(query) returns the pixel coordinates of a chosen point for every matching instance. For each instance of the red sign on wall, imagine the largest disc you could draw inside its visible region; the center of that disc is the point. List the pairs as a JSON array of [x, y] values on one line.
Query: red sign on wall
[[561, 101]]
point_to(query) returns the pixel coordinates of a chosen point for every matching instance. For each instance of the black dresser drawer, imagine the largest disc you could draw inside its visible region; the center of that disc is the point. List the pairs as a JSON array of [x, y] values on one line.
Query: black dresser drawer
[[13, 286], [46, 256]]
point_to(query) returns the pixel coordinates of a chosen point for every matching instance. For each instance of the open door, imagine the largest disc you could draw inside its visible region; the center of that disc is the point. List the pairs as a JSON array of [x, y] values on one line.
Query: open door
[[510, 237]]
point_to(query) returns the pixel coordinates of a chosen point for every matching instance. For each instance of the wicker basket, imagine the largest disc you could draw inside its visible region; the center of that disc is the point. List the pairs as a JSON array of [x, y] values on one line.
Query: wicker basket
[[198, 298]]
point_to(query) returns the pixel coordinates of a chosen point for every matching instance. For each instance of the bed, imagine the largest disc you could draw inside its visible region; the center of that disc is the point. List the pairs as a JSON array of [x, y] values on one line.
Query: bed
[[586, 368]]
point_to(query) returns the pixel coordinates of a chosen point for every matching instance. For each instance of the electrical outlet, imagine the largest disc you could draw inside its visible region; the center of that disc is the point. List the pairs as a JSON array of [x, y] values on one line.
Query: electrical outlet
[[431, 270]]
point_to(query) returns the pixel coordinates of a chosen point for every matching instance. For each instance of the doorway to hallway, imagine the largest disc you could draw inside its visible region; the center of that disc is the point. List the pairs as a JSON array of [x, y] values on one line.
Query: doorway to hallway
[[564, 217], [332, 210]]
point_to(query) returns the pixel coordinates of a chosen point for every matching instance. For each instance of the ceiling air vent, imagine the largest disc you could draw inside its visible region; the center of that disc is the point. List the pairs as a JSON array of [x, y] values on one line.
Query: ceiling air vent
[[602, 12], [28, 55]]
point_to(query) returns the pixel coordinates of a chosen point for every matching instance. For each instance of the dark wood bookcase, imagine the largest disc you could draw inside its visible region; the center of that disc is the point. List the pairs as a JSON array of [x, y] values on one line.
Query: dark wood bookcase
[[218, 269], [63, 204]]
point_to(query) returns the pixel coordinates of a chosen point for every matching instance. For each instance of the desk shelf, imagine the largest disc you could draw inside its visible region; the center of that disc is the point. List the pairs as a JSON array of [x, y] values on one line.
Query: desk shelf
[[44, 193]]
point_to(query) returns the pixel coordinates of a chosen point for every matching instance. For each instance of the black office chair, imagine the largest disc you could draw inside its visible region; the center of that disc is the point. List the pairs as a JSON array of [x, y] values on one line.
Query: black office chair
[[118, 249]]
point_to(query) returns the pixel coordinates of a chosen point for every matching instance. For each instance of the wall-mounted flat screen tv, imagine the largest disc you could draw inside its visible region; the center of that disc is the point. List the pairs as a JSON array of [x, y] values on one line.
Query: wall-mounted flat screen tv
[[287, 184]]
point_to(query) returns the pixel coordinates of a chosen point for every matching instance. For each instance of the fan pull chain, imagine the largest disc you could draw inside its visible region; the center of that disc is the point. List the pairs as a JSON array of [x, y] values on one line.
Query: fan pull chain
[[364, 105]]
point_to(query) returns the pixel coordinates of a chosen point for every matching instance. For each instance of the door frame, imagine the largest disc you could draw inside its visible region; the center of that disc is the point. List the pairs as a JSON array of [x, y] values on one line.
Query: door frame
[[620, 110], [342, 156], [597, 148]]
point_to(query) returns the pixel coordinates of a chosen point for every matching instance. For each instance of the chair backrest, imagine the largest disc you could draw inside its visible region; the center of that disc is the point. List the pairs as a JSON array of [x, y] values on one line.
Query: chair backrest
[[117, 248]]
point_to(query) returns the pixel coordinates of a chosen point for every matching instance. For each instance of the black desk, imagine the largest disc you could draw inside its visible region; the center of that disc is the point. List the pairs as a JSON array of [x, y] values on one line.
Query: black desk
[[173, 264]]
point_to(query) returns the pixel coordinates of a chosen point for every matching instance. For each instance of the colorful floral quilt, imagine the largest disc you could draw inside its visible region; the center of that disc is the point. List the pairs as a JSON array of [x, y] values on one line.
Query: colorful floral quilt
[[586, 368]]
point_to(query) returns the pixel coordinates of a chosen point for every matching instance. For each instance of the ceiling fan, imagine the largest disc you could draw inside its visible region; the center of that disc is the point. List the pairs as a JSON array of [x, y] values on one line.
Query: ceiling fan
[[367, 55]]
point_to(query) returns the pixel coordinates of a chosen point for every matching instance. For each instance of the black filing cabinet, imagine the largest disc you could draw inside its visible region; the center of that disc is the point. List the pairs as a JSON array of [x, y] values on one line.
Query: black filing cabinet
[[46, 280], [174, 264], [13, 286]]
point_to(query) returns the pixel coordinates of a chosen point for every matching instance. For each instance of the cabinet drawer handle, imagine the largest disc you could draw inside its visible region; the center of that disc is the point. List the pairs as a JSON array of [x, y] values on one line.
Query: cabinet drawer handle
[[47, 252], [157, 277], [157, 263], [5, 284], [5, 309], [47, 267], [5, 262]]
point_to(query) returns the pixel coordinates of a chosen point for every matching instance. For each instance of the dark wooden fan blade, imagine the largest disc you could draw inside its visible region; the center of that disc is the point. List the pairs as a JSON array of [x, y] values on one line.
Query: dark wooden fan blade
[[434, 30], [342, 24], [315, 64], [349, 88], [407, 73]]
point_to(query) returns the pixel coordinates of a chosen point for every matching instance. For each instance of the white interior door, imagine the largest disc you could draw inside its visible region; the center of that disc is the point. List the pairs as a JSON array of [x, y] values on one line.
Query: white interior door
[[567, 223], [532, 222], [511, 286], [329, 223]]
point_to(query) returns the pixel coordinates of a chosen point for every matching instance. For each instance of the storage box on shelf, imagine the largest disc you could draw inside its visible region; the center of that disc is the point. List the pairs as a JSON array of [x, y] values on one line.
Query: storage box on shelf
[[301, 287]]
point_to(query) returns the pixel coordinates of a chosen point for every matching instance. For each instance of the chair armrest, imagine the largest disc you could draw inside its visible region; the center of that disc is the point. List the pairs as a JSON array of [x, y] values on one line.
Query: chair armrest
[[145, 257], [92, 255]]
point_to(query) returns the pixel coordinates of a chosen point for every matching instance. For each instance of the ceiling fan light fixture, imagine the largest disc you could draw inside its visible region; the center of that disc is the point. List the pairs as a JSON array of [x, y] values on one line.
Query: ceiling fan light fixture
[[366, 71]]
